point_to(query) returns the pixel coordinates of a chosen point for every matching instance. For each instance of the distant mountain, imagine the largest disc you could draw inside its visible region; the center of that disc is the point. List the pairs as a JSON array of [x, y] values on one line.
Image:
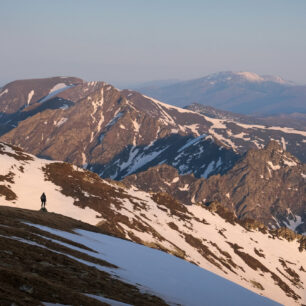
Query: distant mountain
[[39, 247], [117, 133], [212, 112], [294, 120], [241, 92]]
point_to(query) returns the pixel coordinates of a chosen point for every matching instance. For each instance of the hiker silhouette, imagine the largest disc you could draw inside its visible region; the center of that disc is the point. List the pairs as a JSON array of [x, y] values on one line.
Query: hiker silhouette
[[43, 199]]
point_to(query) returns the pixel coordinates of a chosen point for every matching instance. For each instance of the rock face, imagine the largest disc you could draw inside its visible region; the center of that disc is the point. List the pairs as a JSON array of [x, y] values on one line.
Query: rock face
[[267, 185], [239, 92], [116, 133], [269, 262]]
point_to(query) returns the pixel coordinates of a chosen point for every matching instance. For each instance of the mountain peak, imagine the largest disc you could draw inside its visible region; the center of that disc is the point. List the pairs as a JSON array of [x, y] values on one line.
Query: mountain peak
[[250, 76], [273, 145], [245, 76]]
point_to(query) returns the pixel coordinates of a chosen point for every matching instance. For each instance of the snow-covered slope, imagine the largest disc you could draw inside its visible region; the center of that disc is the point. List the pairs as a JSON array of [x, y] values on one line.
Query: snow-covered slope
[[110, 262], [267, 185], [271, 263]]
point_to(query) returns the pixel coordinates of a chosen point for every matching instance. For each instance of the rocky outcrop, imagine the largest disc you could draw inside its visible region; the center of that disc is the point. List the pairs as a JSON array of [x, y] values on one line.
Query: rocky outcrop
[[267, 185]]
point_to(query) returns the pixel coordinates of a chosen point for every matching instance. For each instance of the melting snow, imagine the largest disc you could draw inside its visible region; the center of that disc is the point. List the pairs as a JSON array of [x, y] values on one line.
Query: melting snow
[[108, 301], [136, 125], [30, 95], [191, 142], [276, 128], [294, 223], [209, 169], [4, 92], [171, 278], [64, 107], [175, 180], [273, 167], [135, 162], [55, 90], [289, 162], [250, 76], [284, 143], [186, 187], [30, 184], [61, 122]]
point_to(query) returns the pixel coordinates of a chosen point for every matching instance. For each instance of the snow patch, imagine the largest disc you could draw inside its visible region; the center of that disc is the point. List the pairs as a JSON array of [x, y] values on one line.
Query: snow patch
[[30, 95], [160, 273], [175, 180], [290, 163], [58, 88], [191, 142], [185, 188], [250, 76], [209, 169], [106, 300], [4, 92], [284, 143], [61, 122], [294, 223], [64, 107], [273, 167], [29, 185]]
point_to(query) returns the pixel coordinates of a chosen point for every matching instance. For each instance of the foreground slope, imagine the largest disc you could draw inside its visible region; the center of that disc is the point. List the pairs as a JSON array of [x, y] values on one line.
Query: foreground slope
[[49, 258], [267, 262], [38, 265]]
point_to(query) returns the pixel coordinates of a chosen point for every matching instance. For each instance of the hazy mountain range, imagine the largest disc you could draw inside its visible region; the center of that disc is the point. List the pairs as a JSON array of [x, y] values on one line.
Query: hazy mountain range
[[239, 92]]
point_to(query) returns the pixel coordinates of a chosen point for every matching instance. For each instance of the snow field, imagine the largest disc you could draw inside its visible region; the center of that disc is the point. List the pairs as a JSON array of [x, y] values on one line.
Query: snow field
[[169, 277]]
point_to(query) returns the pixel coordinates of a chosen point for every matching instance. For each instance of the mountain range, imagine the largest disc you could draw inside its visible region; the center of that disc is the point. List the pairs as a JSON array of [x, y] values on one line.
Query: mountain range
[[239, 92], [268, 262], [119, 133], [190, 182]]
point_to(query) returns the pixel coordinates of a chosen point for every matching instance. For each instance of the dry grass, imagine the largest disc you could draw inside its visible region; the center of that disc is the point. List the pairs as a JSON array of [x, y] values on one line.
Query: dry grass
[[30, 273]]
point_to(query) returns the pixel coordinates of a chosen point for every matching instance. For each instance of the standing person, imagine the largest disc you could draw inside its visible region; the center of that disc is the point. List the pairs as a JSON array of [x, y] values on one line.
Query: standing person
[[43, 199]]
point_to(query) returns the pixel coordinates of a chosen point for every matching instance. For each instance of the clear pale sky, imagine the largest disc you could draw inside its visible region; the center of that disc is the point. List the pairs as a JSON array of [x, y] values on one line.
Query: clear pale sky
[[129, 41]]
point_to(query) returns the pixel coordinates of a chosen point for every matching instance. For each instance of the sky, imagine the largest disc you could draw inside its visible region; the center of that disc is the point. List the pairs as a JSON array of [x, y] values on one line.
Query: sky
[[127, 42]]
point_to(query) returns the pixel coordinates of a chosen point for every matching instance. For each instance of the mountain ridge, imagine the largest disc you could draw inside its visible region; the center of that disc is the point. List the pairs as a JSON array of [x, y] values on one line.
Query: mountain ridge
[[262, 185]]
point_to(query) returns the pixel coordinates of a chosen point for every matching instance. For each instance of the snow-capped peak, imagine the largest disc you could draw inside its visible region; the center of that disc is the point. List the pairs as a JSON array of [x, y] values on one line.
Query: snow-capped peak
[[250, 76]]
